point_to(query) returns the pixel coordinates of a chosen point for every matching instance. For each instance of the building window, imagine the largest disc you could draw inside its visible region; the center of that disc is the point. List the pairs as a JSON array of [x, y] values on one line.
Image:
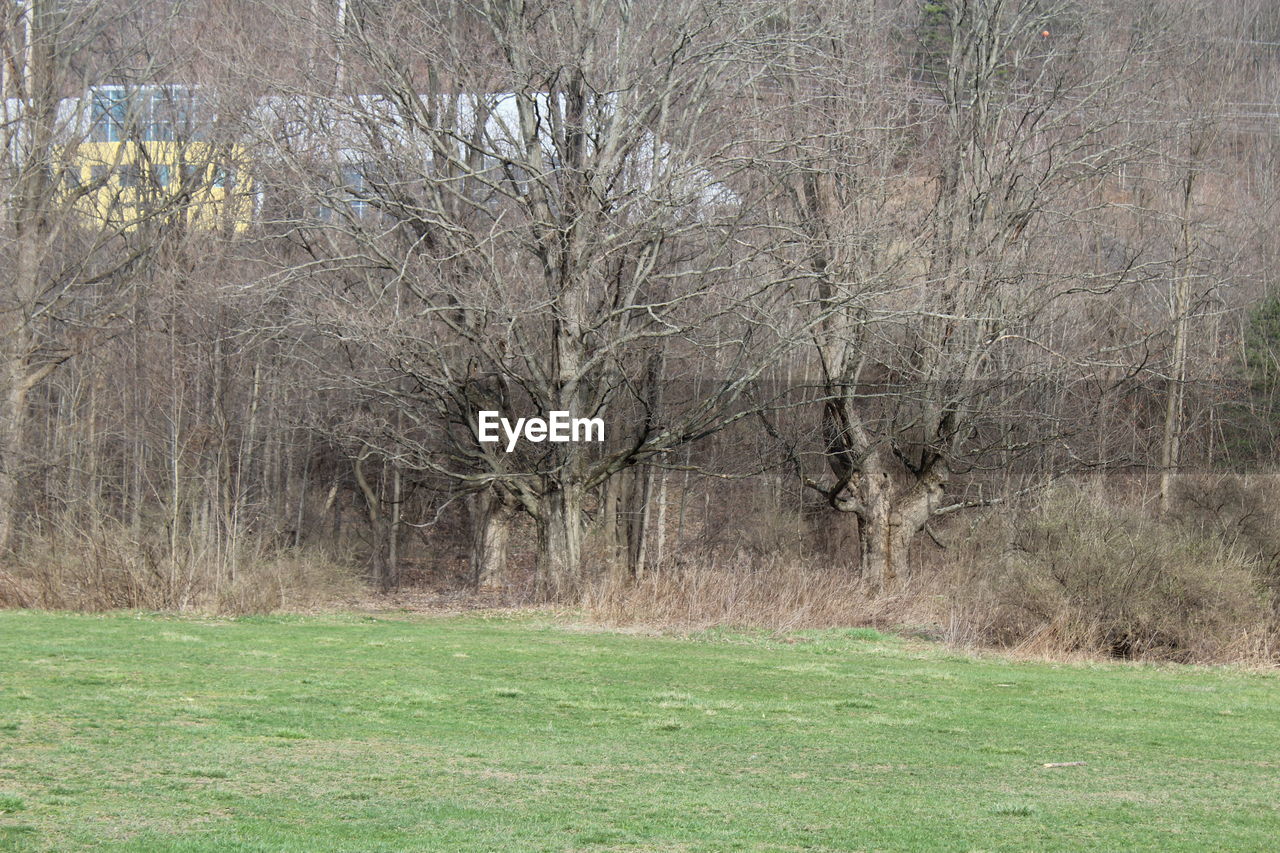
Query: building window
[[169, 113], [159, 119], [357, 187], [108, 112], [149, 113]]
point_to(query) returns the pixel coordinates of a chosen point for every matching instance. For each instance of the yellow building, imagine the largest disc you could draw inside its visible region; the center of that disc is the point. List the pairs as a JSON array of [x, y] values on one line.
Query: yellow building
[[145, 159]]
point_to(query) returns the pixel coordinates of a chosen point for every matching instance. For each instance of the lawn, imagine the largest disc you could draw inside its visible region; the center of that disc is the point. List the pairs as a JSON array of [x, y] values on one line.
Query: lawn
[[139, 732]]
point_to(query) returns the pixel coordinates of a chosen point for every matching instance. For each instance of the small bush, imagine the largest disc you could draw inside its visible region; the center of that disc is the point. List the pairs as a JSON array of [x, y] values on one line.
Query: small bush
[[1077, 573], [1241, 511]]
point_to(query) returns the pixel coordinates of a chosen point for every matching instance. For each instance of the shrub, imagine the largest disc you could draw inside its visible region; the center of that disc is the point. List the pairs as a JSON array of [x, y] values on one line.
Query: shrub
[[1077, 573], [1241, 511]]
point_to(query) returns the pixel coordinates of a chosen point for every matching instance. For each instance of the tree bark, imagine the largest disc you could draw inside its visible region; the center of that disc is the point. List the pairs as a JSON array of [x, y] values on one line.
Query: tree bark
[[560, 541], [377, 525], [491, 519], [1180, 319], [889, 519], [612, 532], [12, 441]]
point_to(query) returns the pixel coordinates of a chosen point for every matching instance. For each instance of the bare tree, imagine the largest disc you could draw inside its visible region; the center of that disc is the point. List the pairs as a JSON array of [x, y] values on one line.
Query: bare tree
[[527, 209], [926, 224]]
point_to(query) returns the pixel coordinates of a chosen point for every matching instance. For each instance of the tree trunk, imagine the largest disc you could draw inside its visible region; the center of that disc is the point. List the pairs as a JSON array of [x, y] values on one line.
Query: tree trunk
[[393, 531], [638, 520], [491, 518], [300, 519], [560, 541], [612, 532], [1180, 319], [377, 525], [12, 435], [890, 519], [875, 533]]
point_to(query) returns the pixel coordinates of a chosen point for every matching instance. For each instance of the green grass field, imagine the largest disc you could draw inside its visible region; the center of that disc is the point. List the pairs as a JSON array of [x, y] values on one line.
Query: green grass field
[[133, 732]]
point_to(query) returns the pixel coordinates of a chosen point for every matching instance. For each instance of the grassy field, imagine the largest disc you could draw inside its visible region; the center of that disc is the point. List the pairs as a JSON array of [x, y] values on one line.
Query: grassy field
[[517, 733]]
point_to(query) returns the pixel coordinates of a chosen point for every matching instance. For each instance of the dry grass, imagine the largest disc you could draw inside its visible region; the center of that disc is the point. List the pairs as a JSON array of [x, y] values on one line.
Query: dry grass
[[1077, 574], [777, 595], [112, 570]]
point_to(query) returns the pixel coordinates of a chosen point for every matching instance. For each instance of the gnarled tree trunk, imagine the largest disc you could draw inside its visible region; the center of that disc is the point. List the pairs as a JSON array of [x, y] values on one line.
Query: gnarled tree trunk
[[890, 516]]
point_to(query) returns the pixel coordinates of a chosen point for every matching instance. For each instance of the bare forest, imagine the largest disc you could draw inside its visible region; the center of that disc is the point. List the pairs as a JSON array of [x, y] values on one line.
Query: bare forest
[[951, 315]]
